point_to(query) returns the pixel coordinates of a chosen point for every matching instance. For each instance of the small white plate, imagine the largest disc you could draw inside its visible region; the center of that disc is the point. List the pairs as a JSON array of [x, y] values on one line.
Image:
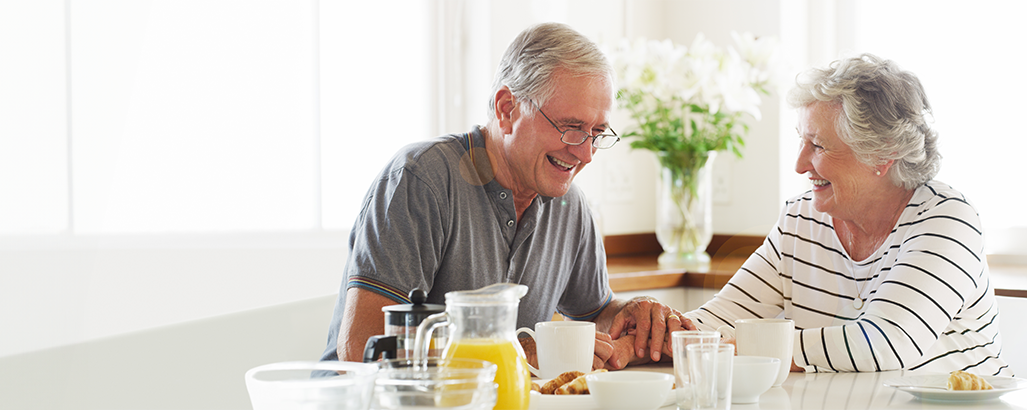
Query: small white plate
[[933, 387], [541, 401]]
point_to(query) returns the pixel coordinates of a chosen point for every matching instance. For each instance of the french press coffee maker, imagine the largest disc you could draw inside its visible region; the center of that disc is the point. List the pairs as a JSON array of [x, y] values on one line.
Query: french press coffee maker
[[401, 323]]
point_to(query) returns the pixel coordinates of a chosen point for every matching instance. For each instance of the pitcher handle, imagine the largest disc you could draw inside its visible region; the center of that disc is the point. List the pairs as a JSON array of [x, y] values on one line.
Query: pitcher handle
[[531, 333], [422, 342], [382, 345]]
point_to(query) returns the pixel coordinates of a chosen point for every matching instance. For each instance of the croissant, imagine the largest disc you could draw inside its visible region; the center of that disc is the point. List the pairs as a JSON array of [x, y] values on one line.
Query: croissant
[[577, 386], [551, 386], [960, 380]]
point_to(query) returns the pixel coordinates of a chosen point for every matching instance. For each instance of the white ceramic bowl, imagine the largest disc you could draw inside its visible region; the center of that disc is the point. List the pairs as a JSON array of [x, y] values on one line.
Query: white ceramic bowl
[[751, 377], [629, 390]]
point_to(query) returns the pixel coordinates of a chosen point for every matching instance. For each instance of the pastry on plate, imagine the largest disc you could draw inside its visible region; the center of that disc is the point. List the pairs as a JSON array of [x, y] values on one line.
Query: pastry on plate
[[960, 380], [577, 386], [572, 382], [564, 378]]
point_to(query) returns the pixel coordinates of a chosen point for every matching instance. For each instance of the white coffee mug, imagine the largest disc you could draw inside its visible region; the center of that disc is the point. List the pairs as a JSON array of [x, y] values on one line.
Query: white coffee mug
[[765, 337], [562, 346]]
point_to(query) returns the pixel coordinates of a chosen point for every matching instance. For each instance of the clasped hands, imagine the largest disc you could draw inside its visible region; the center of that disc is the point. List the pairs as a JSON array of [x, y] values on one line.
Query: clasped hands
[[639, 333]]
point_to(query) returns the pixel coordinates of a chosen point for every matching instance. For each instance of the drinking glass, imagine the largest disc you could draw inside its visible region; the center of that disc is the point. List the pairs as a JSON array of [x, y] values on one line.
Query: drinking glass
[[679, 340], [710, 366]]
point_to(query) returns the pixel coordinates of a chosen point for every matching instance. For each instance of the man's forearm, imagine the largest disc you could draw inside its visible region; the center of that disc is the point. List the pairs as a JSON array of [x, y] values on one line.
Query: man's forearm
[[362, 319]]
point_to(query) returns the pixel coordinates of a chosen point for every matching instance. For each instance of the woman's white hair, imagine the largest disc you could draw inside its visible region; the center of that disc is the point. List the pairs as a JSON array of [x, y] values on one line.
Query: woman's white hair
[[884, 114], [528, 65]]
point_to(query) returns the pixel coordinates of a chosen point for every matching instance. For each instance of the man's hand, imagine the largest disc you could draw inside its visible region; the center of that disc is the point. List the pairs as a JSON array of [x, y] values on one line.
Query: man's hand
[[650, 321]]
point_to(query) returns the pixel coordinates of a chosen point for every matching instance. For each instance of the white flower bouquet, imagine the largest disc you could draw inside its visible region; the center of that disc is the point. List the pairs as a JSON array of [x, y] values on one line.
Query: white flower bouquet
[[688, 101], [688, 104]]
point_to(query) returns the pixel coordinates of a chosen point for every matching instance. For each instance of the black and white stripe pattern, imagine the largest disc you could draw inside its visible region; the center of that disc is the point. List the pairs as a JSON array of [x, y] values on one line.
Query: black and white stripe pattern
[[930, 305]]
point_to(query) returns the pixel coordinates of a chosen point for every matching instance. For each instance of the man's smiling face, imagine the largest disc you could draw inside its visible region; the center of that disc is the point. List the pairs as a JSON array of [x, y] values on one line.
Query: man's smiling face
[[538, 161]]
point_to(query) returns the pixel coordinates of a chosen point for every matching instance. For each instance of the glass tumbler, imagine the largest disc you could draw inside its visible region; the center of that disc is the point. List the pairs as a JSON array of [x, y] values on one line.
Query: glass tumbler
[[710, 366], [679, 340]]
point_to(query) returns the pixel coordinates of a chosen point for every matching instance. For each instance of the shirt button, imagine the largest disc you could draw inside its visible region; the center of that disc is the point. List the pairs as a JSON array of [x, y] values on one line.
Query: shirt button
[[502, 195], [510, 223]]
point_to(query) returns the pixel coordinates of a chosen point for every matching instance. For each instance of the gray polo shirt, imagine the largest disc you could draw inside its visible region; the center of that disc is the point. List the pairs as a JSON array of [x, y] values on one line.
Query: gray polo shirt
[[433, 221]]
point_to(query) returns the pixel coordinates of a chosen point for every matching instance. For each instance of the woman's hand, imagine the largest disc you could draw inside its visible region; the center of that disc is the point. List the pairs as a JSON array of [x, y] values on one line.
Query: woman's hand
[[624, 353], [604, 349]]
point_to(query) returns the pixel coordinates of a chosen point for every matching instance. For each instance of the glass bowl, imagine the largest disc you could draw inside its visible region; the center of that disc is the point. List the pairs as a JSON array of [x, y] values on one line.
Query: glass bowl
[[329, 385]]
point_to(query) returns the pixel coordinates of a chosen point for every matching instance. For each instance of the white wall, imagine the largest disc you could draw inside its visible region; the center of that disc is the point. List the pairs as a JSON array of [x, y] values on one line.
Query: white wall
[[195, 365], [87, 288]]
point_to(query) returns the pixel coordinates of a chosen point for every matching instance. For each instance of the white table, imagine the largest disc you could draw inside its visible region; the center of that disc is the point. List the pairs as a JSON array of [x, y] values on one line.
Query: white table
[[851, 391]]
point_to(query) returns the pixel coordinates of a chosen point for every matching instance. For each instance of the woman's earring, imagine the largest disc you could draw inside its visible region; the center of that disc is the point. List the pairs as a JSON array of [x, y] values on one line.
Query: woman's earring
[[878, 173]]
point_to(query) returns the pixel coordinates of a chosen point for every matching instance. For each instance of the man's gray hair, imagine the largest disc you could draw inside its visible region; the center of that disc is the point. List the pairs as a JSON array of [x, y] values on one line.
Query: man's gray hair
[[884, 114], [529, 62]]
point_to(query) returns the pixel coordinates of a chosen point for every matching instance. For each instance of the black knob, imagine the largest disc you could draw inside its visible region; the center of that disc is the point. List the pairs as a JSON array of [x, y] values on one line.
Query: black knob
[[418, 296]]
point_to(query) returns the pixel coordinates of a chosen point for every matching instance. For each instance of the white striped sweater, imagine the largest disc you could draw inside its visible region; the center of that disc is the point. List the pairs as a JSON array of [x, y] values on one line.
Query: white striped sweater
[[929, 304]]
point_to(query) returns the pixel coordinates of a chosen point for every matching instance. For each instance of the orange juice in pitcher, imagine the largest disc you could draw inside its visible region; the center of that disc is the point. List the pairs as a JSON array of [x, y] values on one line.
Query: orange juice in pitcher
[[512, 376], [483, 326]]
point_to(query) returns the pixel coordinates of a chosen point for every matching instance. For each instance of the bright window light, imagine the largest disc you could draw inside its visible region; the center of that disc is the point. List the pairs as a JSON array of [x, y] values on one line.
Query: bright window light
[[971, 73]]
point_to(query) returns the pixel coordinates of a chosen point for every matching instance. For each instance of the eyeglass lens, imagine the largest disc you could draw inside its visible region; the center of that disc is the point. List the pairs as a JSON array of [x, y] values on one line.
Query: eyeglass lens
[[577, 137]]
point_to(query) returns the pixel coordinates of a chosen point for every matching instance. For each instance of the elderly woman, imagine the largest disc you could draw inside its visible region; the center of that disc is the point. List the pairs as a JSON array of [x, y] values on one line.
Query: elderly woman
[[880, 266]]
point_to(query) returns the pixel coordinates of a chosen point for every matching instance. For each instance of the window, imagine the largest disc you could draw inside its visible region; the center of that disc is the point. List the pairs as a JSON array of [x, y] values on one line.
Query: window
[[127, 117], [375, 95], [970, 71], [33, 118], [192, 116]]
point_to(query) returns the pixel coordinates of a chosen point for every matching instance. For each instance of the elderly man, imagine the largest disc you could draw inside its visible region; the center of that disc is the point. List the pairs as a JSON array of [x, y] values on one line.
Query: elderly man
[[496, 204]]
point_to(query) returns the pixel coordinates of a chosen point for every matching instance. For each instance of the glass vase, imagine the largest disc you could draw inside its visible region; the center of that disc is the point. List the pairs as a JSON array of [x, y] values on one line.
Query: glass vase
[[684, 219]]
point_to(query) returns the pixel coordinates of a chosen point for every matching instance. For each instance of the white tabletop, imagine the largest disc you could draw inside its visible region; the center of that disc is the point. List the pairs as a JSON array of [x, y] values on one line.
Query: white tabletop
[[863, 391], [850, 391]]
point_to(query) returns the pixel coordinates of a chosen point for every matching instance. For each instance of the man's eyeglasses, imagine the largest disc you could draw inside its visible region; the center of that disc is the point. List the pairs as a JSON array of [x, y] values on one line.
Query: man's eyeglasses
[[578, 137]]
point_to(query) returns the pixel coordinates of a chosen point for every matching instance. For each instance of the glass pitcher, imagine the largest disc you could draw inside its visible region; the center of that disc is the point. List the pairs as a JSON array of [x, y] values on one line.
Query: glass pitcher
[[483, 326]]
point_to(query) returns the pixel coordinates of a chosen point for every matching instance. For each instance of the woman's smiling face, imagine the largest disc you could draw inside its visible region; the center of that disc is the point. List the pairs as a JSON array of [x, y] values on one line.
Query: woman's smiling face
[[840, 181]]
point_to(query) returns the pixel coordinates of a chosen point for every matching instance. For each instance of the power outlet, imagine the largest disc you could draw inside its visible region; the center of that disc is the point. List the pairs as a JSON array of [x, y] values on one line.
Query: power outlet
[[721, 185], [618, 186]]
